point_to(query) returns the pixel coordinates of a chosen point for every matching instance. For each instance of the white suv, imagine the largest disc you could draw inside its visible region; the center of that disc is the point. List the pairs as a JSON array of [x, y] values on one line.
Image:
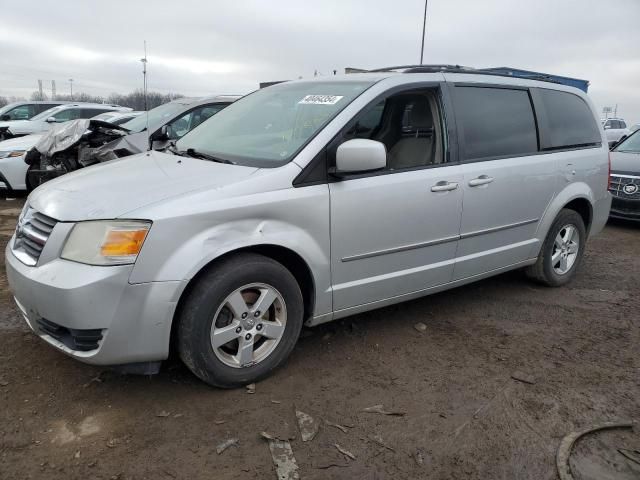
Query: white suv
[[62, 113], [616, 130]]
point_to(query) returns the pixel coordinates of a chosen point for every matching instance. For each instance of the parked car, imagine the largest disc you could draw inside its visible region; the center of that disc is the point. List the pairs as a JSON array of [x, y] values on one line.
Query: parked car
[[13, 152], [13, 169], [62, 113], [26, 110], [177, 117], [83, 143], [306, 202], [625, 178], [117, 118], [616, 130]]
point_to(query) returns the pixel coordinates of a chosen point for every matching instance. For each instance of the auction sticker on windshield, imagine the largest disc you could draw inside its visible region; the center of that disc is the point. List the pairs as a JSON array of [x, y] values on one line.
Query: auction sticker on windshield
[[321, 99]]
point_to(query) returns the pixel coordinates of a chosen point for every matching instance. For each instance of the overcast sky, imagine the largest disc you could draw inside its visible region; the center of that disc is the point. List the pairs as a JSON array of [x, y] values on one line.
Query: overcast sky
[[221, 46]]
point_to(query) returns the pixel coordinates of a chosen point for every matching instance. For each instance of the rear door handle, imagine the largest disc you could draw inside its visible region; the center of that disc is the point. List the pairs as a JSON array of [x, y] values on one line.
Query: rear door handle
[[444, 186], [481, 180]]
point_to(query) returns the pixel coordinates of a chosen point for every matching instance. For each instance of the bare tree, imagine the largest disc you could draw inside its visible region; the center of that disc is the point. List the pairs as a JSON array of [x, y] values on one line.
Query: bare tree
[[133, 100], [38, 97]]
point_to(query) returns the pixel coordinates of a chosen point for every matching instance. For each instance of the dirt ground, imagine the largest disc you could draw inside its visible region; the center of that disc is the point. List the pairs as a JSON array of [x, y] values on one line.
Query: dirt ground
[[464, 414]]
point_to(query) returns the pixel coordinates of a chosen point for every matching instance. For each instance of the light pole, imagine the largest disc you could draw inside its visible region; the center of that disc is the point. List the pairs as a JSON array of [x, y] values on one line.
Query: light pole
[[71, 87], [424, 26], [144, 75]]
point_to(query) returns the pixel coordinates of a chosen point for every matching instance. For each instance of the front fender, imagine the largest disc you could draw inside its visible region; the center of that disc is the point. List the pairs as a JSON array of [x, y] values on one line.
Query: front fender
[[177, 248]]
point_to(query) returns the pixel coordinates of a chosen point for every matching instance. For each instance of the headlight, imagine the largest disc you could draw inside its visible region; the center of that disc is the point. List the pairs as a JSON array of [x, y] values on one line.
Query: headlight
[[12, 153], [113, 242]]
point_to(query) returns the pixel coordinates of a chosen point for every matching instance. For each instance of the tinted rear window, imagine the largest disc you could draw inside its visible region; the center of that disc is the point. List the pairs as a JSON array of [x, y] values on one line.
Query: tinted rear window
[[570, 121], [495, 122]]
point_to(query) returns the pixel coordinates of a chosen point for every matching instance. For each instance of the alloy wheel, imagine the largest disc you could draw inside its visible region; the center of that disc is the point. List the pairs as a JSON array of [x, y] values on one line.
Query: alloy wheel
[[248, 325], [565, 249]]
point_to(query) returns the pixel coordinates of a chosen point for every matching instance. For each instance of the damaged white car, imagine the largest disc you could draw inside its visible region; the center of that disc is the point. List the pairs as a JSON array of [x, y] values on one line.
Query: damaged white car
[[82, 143]]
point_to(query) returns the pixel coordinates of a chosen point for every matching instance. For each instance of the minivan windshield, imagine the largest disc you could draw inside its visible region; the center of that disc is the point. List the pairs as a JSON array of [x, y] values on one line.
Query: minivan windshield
[[157, 117], [630, 145], [268, 127]]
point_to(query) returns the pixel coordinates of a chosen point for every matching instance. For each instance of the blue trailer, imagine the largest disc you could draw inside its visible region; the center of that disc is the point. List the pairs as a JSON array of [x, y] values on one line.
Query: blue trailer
[[515, 72]]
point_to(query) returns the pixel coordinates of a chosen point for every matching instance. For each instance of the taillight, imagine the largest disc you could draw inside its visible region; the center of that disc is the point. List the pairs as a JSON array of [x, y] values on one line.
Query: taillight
[[609, 174]]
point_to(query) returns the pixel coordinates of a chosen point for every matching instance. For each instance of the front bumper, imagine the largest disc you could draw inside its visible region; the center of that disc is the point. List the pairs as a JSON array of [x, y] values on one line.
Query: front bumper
[[625, 209], [134, 320], [13, 173]]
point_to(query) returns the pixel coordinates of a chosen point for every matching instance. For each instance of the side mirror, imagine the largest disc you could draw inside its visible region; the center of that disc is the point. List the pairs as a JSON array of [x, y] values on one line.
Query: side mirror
[[360, 155], [160, 138], [51, 120], [607, 127], [6, 117], [163, 134]]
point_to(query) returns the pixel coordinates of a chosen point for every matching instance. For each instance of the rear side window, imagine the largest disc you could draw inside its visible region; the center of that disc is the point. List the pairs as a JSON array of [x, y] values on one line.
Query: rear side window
[[41, 107], [570, 121], [495, 122], [92, 112]]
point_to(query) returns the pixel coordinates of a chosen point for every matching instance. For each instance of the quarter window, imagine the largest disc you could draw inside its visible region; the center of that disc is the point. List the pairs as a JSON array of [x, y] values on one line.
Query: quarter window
[[570, 121], [495, 122]]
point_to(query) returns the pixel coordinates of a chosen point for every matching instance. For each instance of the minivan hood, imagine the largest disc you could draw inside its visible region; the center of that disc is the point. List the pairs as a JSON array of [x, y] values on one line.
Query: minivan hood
[[111, 189], [625, 162]]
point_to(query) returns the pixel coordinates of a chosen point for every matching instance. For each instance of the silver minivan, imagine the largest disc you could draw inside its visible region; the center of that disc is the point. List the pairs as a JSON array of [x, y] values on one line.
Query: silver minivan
[[306, 202]]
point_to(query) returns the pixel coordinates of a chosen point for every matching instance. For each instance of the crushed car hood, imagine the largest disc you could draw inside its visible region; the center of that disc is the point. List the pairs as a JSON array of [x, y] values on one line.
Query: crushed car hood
[[70, 133], [111, 189], [20, 143], [625, 162]]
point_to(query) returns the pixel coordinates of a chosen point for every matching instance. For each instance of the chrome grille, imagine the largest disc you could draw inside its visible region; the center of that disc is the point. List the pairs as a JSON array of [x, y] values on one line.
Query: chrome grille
[[32, 233], [619, 182]]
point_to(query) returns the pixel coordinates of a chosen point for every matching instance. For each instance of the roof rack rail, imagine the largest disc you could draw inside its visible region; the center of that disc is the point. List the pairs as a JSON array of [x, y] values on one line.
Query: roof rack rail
[[502, 72], [423, 68]]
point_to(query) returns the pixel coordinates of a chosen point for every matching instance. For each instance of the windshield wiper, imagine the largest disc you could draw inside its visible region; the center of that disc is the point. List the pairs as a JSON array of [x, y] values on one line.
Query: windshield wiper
[[191, 152]]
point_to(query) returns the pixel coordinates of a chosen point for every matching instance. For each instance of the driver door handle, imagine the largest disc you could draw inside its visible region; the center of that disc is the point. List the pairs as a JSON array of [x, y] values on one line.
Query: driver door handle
[[481, 180], [444, 186]]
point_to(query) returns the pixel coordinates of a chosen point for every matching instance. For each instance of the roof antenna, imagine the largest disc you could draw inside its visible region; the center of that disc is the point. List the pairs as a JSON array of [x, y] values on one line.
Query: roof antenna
[[144, 93], [424, 26]]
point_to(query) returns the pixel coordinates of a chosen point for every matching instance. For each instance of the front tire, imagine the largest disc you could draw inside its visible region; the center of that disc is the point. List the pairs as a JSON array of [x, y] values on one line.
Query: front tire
[[561, 252], [240, 321]]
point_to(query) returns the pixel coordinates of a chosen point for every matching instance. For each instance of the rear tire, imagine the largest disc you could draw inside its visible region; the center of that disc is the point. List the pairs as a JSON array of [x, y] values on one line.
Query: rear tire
[[561, 252], [224, 306]]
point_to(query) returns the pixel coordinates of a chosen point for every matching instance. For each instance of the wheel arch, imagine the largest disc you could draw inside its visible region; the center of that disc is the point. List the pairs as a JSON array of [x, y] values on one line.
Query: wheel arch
[[291, 260], [576, 196], [584, 208]]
